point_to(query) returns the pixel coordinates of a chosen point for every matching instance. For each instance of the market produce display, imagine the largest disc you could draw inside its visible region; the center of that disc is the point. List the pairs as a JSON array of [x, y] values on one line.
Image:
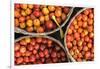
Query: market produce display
[[34, 18], [79, 39], [47, 34], [38, 50]]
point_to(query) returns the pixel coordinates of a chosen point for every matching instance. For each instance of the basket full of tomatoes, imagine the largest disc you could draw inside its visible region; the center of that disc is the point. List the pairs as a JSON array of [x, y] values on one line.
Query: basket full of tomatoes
[[34, 19], [79, 36]]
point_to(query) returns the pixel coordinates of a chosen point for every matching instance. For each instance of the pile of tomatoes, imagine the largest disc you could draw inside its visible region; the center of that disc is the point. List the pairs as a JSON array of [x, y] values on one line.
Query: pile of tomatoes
[[80, 36], [38, 18], [38, 50]]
